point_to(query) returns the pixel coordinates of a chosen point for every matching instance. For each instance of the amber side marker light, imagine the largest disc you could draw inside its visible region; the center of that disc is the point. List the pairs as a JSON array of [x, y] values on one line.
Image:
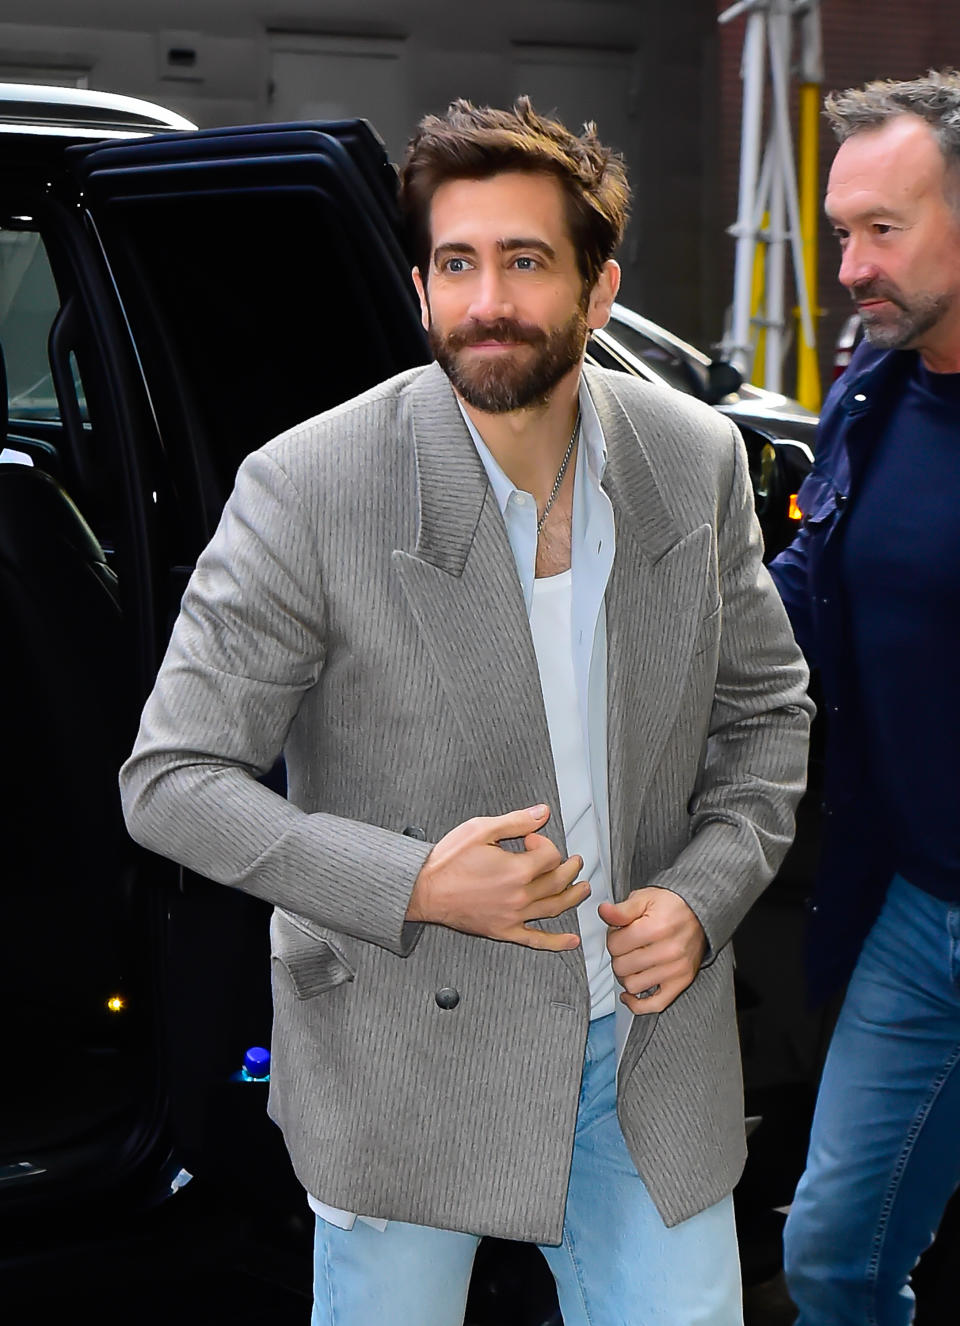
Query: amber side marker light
[[794, 512], [116, 1003]]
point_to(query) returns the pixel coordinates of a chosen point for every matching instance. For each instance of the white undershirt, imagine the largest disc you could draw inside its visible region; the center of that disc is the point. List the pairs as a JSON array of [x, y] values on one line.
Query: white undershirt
[[583, 801], [550, 626]]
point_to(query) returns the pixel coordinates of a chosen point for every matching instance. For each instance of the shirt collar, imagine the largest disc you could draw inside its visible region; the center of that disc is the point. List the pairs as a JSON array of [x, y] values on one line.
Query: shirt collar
[[591, 435]]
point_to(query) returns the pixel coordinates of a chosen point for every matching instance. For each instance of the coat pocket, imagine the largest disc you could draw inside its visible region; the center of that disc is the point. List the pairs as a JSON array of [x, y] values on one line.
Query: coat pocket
[[817, 499], [311, 955]]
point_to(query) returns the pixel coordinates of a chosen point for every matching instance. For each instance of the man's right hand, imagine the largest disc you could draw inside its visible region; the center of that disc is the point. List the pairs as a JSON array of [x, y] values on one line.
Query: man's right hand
[[470, 883]]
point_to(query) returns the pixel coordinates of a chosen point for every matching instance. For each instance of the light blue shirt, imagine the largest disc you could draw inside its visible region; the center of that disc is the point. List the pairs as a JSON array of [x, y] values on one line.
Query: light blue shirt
[[591, 558]]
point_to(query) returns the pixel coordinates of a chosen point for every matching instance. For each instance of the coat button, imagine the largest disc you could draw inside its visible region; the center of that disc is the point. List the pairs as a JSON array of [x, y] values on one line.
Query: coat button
[[840, 500], [414, 831], [448, 997]]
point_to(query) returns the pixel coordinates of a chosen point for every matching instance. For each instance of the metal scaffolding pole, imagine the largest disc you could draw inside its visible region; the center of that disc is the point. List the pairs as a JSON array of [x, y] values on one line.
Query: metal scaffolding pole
[[771, 192]]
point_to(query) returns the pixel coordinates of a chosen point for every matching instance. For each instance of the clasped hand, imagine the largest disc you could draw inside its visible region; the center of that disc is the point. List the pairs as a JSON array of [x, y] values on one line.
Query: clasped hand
[[470, 883], [656, 943]]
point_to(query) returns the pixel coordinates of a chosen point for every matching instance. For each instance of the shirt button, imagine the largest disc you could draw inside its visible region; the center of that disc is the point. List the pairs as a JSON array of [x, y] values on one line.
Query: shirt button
[[520, 499], [447, 998]]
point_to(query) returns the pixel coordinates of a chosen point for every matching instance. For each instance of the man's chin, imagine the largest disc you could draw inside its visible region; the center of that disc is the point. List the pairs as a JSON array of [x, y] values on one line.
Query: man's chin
[[494, 396], [886, 333], [496, 385]]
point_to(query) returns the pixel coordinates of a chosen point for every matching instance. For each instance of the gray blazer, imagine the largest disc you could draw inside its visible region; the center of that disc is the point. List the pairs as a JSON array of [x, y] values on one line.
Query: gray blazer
[[359, 608]]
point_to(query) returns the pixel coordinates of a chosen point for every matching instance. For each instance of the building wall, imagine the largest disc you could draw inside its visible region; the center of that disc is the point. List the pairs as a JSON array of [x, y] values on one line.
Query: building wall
[[662, 116]]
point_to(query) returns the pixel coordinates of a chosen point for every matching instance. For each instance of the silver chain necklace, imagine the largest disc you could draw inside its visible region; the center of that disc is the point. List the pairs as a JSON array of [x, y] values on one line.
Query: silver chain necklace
[[560, 473]]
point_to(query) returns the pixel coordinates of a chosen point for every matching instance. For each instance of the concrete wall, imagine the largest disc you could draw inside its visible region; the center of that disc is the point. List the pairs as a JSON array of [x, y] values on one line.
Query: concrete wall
[[664, 49]]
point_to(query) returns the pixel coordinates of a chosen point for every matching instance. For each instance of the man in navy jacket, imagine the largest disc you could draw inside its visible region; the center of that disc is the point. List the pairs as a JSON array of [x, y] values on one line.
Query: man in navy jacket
[[872, 585]]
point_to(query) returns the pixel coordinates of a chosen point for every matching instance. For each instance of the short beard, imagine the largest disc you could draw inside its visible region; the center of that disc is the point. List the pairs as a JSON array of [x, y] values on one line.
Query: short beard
[[502, 385], [910, 320]]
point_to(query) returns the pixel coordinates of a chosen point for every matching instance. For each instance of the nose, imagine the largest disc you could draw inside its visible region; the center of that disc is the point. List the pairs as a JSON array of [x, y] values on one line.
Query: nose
[[491, 297], [856, 265]]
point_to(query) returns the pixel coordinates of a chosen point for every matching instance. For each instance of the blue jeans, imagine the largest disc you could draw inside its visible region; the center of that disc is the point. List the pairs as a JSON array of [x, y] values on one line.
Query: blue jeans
[[618, 1264], [884, 1153]]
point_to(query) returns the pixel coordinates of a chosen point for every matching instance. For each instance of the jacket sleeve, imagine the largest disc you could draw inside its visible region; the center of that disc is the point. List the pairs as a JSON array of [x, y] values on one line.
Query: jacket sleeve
[[790, 571], [248, 644], [754, 770]]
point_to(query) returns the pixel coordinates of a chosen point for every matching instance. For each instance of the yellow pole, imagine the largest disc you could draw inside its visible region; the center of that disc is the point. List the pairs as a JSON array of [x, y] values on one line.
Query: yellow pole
[[808, 370], [758, 301]]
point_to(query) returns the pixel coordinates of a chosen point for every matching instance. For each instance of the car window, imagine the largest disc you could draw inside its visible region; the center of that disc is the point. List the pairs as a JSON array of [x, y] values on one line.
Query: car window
[[29, 302], [672, 367]]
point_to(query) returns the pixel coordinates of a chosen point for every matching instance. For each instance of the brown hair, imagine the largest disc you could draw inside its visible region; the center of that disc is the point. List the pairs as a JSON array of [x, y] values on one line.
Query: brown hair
[[474, 143]]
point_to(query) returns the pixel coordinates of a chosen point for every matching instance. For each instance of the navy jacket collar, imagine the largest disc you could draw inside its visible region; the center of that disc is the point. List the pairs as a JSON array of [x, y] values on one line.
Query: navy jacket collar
[[870, 372]]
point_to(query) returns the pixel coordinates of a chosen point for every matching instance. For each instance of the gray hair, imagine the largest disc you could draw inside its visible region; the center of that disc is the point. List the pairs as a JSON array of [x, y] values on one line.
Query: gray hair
[[935, 99]]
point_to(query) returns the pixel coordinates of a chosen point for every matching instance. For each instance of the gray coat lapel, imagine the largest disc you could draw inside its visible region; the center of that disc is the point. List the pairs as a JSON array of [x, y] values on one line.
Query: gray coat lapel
[[462, 588], [654, 606]]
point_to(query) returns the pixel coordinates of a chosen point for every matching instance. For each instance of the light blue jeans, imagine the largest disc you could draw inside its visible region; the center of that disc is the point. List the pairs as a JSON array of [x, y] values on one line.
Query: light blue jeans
[[618, 1264], [885, 1145]]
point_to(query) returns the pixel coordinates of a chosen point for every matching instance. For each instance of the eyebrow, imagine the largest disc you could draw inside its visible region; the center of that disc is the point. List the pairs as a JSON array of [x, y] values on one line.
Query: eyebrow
[[865, 214], [504, 245]]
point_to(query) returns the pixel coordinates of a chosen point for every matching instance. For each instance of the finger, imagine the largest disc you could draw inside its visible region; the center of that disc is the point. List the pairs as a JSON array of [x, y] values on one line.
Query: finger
[[626, 940], [649, 999], [532, 937], [515, 824], [555, 904], [643, 967], [542, 883], [623, 913], [655, 1002], [540, 854], [649, 944], [660, 976]]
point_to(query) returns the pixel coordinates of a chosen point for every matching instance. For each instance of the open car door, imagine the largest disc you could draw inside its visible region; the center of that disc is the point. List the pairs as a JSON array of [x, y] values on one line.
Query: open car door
[[263, 279], [214, 288]]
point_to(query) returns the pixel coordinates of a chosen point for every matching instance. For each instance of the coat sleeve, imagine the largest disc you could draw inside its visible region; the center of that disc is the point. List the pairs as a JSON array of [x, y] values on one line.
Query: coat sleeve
[[247, 645], [754, 770], [790, 571]]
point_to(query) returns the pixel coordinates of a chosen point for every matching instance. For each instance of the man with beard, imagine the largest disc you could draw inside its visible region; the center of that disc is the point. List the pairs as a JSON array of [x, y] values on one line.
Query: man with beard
[[872, 584], [545, 726]]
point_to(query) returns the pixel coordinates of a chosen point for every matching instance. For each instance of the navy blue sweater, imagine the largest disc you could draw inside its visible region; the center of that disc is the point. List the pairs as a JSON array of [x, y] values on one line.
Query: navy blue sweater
[[901, 575]]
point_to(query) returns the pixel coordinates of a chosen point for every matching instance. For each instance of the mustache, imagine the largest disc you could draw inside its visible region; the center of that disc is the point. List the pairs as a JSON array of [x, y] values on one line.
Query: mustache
[[875, 290], [508, 331]]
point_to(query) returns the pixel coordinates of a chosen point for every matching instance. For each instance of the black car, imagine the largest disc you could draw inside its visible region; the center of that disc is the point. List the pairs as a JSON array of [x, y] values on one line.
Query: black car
[[169, 300]]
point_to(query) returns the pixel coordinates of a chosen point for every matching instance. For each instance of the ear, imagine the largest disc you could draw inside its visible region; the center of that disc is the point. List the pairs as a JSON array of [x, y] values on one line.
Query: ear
[[422, 296], [603, 294]]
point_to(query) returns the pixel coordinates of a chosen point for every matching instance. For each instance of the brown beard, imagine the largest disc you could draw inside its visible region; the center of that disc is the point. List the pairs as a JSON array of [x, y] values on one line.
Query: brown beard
[[504, 384]]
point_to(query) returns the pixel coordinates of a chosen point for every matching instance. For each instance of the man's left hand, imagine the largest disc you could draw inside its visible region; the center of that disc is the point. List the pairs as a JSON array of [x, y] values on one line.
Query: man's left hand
[[656, 943]]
